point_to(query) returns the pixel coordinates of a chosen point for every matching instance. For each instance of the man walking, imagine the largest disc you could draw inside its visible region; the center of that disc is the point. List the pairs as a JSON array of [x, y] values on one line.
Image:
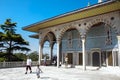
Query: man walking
[[28, 65]]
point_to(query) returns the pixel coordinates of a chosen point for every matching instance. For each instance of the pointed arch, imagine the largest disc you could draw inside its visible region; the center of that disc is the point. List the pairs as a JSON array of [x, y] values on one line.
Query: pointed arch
[[65, 28], [101, 20], [50, 36]]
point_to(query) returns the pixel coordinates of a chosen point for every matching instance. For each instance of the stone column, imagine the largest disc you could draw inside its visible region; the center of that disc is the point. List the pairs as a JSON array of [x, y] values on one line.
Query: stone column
[[106, 59], [118, 37], [83, 52], [77, 58], [58, 53], [113, 58], [40, 54], [100, 58], [62, 58], [51, 48]]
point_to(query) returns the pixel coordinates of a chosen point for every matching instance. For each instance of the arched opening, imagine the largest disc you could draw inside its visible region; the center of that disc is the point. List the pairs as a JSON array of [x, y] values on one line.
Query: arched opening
[[71, 46], [46, 50], [54, 55], [55, 49], [102, 36], [48, 44]]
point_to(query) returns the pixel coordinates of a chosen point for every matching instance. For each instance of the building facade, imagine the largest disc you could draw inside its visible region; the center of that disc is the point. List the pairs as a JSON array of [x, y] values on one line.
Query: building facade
[[88, 36]]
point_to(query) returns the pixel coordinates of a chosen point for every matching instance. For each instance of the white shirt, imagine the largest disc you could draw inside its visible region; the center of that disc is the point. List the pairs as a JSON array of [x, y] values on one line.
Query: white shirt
[[29, 61], [38, 70]]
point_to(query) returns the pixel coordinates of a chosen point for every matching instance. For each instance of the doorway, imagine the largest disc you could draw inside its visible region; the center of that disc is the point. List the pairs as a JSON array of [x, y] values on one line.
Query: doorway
[[110, 59], [70, 58], [80, 59], [96, 59]]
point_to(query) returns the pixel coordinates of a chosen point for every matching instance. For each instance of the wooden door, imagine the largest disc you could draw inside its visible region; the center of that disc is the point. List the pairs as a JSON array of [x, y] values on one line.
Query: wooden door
[[96, 59], [70, 58], [80, 59], [110, 59]]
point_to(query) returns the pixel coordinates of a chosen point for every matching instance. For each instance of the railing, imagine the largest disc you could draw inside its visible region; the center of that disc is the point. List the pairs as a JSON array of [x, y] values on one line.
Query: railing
[[15, 64], [21, 63]]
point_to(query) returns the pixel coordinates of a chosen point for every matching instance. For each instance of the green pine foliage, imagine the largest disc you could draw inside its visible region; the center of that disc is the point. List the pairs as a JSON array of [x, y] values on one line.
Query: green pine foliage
[[10, 41]]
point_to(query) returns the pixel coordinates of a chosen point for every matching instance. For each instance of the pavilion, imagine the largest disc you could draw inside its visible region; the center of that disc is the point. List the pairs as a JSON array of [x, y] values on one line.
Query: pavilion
[[89, 36]]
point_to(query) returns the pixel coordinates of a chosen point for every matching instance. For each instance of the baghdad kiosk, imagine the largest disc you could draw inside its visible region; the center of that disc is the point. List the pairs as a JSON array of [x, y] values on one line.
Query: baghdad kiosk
[[88, 37]]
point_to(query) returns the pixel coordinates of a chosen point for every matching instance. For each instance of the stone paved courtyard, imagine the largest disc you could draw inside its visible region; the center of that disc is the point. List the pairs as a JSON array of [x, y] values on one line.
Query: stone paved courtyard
[[54, 73]]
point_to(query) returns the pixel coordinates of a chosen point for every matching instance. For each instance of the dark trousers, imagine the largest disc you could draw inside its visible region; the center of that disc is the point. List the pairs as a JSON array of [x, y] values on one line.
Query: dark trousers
[[28, 67]]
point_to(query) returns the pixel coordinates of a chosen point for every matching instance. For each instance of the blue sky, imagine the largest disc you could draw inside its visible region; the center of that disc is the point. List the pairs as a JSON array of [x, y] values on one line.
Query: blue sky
[[26, 12]]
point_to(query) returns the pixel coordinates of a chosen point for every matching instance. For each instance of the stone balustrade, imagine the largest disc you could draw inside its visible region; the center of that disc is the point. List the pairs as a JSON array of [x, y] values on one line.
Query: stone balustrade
[[21, 64], [15, 64]]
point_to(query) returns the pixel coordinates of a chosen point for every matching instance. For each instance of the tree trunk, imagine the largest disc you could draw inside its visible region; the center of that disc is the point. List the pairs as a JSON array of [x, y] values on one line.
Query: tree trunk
[[10, 52]]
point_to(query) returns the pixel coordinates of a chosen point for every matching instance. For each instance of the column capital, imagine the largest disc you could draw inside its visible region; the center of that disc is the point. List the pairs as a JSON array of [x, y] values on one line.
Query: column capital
[[83, 37], [40, 44], [58, 41]]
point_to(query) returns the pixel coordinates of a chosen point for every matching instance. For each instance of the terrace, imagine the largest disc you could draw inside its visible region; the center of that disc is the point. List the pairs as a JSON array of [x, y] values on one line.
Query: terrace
[[54, 73]]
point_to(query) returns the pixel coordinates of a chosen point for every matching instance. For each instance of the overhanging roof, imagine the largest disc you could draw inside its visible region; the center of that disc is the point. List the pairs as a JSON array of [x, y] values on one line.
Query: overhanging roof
[[34, 36], [94, 10]]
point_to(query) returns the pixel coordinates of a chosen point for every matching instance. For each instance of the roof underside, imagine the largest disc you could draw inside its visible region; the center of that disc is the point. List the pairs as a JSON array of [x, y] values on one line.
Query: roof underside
[[76, 15], [34, 36]]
